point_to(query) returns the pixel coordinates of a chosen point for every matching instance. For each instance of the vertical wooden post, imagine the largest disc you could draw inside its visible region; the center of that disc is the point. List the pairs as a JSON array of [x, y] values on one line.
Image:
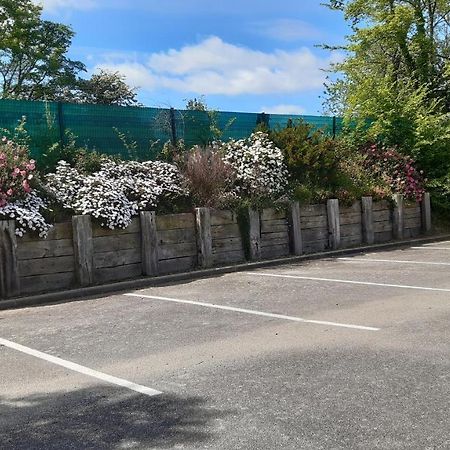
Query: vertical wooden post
[[254, 222], [204, 237], [83, 249], [149, 240], [9, 271], [295, 231], [367, 220], [399, 216], [334, 226], [426, 213]]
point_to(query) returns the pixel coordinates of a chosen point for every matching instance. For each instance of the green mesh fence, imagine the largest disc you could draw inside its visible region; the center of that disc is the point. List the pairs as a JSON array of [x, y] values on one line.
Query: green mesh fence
[[145, 130]]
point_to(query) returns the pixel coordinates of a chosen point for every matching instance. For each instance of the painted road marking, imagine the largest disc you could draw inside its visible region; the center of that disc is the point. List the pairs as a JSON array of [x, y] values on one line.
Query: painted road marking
[[332, 280], [254, 312], [430, 248], [394, 261], [80, 369]]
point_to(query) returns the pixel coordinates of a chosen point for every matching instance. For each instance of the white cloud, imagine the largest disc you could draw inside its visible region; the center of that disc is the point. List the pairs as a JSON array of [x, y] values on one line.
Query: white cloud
[[217, 67], [289, 30], [283, 109]]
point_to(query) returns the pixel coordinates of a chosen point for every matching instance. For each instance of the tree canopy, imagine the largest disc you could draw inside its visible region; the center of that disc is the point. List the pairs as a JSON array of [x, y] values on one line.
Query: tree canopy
[[395, 75], [34, 62]]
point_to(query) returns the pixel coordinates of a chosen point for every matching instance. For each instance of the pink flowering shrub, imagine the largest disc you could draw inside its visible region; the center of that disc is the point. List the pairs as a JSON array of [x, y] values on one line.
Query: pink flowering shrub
[[16, 172], [396, 170]]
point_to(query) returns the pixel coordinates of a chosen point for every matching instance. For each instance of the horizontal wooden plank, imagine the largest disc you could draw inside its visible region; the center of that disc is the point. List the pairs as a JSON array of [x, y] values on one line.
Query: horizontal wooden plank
[[45, 266], [412, 232], [351, 241], [314, 222], [274, 251], [227, 245], [48, 283], [382, 215], [225, 231], [177, 265], [57, 232], [380, 227], [351, 230], [117, 258], [170, 251], [313, 210], [112, 274], [350, 218], [381, 205], [43, 248], [413, 222], [176, 236], [271, 236], [412, 212], [383, 236], [228, 257], [314, 234], [134, 227], [316, 246], [272, 242], [222, 217], [175, 221], [272, 214], [115, 243], [273, 226]]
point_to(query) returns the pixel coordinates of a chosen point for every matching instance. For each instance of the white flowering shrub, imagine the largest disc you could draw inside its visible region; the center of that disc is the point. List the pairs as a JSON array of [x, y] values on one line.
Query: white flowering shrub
[[145, 183], [115, 193], [27, 212], [259, 165]]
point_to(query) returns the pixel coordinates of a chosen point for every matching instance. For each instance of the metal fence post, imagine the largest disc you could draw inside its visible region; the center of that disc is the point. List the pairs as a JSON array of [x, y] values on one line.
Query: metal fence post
[[334, 127], [61, 124], [173, 128]]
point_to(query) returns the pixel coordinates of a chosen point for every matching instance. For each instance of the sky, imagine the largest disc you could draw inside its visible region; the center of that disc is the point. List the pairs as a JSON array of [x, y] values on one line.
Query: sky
[[241, 55]]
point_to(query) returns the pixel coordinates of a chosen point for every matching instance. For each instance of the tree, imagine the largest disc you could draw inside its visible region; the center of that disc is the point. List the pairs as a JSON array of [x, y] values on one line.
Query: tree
[[107, 88], [394, 82], [33, 54]]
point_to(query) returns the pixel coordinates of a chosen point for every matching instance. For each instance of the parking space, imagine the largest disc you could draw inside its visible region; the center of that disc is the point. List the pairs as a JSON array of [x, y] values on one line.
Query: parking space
[[349, 352]]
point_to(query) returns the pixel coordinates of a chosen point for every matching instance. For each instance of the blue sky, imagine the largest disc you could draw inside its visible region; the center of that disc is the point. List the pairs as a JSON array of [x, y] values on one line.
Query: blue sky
[[247, 55]]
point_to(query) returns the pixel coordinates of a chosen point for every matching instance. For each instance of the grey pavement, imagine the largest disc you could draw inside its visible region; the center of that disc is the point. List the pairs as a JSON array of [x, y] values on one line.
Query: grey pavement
[[242, 377]]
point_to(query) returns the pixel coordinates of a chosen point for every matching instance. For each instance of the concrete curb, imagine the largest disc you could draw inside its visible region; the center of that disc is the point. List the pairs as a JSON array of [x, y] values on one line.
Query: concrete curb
[[91, 291]]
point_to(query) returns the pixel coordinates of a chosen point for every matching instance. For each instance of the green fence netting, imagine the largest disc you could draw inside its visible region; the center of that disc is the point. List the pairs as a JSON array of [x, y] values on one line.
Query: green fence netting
[[145, 130]]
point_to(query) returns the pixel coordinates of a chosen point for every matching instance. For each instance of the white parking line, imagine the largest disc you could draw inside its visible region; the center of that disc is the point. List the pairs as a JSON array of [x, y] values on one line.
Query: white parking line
[[358, 260], [80, 369], [332, 280], [430, 248], [254, 312]]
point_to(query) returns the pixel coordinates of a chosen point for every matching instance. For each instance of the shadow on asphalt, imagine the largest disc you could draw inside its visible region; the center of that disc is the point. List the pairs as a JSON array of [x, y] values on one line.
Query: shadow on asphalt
[[104, 418]]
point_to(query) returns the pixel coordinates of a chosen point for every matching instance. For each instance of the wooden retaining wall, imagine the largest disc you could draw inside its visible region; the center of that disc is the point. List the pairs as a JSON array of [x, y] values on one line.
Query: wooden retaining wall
[[79, 253], [314, 228], [227, 246], [383, 221], [412, 222], [117, 253], [351, 225], [177, 243], [46, 264], [274, 233]]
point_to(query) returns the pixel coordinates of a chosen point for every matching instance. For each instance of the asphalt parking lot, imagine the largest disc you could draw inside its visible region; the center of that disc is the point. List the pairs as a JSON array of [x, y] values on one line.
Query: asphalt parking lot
[[350, 352]]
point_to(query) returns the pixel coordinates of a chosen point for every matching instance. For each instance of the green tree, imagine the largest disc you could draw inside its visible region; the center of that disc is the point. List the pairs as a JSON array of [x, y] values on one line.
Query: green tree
[[394, 82], [33, 54], [107, 88]]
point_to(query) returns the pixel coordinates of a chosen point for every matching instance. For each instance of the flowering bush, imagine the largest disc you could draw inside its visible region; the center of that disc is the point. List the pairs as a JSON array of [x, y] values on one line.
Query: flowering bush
[[259, 165], [16, 172], [115, 193], [396, 170], [145, 183], [18, 200]]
